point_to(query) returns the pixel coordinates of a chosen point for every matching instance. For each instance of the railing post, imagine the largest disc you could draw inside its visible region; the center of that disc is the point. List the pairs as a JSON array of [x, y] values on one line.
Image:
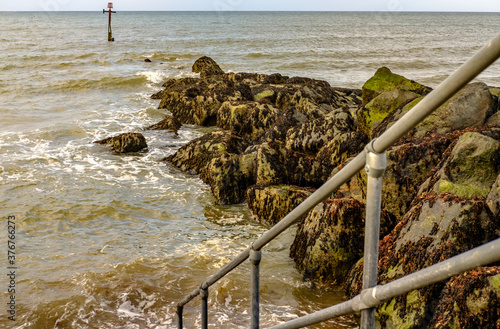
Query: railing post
[[375, 167], [204, 305], [180, 309], [255, 257]]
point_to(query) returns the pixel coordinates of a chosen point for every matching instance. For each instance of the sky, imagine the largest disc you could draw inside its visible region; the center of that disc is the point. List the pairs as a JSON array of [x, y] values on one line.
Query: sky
[[254, 5]]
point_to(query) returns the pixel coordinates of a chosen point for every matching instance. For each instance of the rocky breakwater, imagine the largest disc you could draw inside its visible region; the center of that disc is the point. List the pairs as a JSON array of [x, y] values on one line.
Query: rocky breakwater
[[280, 138]]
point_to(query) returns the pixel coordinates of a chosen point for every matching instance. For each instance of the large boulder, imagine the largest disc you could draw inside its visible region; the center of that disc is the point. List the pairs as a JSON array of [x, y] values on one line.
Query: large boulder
[[199, 101], [385, 80], [470, 170], [342, 146], [408, 164], [467, 108], [270, 168], [372, 114], [310, 136], [470, 300], [195, 155], [327, 241], [207, 67], [270, 204], [249, 120], [436, 228], [229, 176], [125, 143]]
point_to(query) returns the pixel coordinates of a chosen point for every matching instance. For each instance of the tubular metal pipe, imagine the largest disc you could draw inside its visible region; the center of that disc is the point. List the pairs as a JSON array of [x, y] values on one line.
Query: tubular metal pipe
[[375, 167], [180, 309], [255, 257], [204, 307], [480, 256], [465, 74], [191, 296], [228, 267]]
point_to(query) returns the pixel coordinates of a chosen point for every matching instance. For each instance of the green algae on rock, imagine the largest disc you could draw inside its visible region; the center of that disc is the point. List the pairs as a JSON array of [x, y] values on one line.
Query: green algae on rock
[[372, 114], [198, 153], [270, 204], [385, 80], [472, 168], [327, 241]]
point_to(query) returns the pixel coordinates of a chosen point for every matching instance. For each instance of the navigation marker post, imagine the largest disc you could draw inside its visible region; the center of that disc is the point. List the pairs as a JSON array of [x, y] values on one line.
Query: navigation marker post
[[110, 6]]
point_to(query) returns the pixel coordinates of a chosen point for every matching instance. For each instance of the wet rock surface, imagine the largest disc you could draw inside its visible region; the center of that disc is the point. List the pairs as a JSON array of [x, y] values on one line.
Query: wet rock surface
[[470, 300], [125, 143], [169, 123], [282, 137]]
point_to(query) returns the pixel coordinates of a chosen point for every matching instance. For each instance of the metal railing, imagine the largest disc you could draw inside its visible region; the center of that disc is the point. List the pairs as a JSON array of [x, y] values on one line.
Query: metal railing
[[374, 161]]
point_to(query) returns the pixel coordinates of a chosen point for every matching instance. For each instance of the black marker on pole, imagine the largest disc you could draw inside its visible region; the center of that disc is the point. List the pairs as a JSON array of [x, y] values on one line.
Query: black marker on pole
[[110, 6]]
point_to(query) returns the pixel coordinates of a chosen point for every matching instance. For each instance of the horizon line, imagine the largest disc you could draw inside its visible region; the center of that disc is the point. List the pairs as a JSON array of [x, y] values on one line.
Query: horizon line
[[262, 11]]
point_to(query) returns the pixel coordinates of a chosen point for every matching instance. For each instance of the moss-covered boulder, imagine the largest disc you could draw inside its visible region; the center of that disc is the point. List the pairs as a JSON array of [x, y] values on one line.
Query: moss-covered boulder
[[249, 120], [310, 136], [270, 169], [125, 143], [436, 228], [408, 164], [471, 169], [341, 147], [470, 300], [305, 170], [169, 123], [200, 151], [207, 67], [270, 204], [229, 176], [199, 102], [385, 80], [372, 114], [467, 108], [327, 241]]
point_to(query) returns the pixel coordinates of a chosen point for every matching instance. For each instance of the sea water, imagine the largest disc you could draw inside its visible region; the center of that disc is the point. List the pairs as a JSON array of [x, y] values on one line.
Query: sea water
[[115, 241]]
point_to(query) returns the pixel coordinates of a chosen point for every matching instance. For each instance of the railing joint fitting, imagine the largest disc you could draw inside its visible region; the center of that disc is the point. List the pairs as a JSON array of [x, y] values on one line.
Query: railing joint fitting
[[376, 163], [255, 255]]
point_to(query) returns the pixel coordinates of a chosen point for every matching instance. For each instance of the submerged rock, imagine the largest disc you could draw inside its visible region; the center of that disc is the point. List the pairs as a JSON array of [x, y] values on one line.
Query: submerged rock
[[125, 143]]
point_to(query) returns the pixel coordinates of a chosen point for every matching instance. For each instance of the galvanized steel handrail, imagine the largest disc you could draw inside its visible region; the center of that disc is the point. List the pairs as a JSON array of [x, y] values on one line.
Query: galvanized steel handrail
[[466, 73], [480, 256]]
